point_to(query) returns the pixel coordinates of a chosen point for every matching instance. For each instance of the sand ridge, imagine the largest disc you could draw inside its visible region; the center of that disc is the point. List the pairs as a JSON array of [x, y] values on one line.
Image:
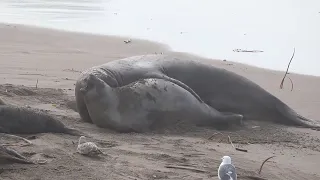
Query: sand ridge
[[39, 68]]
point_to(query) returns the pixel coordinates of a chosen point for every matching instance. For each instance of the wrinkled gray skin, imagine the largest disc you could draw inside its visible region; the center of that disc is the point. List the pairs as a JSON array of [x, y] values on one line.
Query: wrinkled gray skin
[[146, 105], [221, 89]]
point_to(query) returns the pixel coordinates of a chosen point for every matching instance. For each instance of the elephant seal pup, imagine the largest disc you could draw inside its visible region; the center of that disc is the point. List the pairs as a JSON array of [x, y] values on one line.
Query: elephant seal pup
[[19, 120], [8, 156], [147, 104], [223, 90]]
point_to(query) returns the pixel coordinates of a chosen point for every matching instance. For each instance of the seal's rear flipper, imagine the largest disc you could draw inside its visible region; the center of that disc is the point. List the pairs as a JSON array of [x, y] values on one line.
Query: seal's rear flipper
[[294, 118], [232, 118], [74, 132], [175, 81]]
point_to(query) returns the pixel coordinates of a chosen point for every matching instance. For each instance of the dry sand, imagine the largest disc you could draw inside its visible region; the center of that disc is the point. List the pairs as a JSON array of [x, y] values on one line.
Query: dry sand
[[52, 61]]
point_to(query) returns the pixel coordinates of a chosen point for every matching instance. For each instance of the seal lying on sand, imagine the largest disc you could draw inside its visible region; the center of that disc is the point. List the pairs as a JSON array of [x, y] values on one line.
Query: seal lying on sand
[[8, 156], [19, 120], [146, 105], [219, 88]]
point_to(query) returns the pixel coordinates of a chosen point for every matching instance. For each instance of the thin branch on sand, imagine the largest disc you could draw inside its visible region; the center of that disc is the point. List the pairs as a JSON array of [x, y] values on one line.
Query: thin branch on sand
[[210, 138], [16, 137], [238, 149], [291, 83], [281, 84], [253, 177], [264, 162], [185, 168]]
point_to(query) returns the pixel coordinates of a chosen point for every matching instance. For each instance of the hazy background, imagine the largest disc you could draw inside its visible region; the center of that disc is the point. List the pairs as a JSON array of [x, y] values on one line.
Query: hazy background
[[209, 28]]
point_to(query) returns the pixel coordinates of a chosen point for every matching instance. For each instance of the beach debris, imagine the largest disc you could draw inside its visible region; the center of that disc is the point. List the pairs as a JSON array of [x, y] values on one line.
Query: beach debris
[[87, 148], [281, 84], [214, 134], [71, 70], [244, 50], [185, 168], [238, 149], [264, 162], [226, 170], [8, 156], [127, 41], [11, 136]]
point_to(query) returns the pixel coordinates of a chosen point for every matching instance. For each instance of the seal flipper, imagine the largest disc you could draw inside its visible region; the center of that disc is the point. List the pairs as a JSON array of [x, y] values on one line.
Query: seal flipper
[[73, 132], [175, 81], [81, 105], [294, 117]]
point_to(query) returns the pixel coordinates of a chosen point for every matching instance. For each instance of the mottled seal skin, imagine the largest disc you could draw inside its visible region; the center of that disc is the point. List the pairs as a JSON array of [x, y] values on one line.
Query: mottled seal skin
[[221, 89], [148, 104], [20, 120], [9, 156]]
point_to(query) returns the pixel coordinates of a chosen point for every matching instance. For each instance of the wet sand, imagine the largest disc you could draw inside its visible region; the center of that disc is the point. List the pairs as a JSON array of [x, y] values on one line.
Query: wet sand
[[42, 65]]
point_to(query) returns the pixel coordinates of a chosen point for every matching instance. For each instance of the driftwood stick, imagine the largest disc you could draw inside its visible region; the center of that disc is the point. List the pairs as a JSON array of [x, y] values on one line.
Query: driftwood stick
[[238, 149], [16, 137], [231, 142], [291, 83], [253, 177], [281, 84], [185, 168], [210, 138], [265, 162]]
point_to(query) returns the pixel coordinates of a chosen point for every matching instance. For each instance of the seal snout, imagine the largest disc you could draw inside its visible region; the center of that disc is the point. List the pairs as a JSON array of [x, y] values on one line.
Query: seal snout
[[83, 90]]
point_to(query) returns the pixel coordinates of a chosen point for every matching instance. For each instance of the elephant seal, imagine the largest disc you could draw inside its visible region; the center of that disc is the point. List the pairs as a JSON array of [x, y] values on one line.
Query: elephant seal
[[223, 90], [20, 120], [8, 156], [146, 105]]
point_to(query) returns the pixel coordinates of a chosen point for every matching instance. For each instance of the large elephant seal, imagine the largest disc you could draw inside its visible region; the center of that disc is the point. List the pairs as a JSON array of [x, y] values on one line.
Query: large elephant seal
[[147, 104], [20, 120], [219, 88]]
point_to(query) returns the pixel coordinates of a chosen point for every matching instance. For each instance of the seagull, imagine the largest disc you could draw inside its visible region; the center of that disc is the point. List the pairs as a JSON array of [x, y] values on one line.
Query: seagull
[[226, 170], [87, 148]]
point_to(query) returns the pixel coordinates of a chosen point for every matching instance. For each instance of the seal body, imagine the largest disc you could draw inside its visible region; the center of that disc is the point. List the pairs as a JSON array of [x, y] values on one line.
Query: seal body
[[221, 89], [19, 120], [148, 104]]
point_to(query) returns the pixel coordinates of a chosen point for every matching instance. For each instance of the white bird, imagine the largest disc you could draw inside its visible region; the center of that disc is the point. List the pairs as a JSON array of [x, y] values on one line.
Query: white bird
[[87, 148], [226, 170]]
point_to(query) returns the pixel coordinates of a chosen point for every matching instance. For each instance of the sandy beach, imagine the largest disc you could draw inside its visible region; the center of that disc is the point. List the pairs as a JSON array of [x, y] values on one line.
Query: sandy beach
[[39, 67]]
